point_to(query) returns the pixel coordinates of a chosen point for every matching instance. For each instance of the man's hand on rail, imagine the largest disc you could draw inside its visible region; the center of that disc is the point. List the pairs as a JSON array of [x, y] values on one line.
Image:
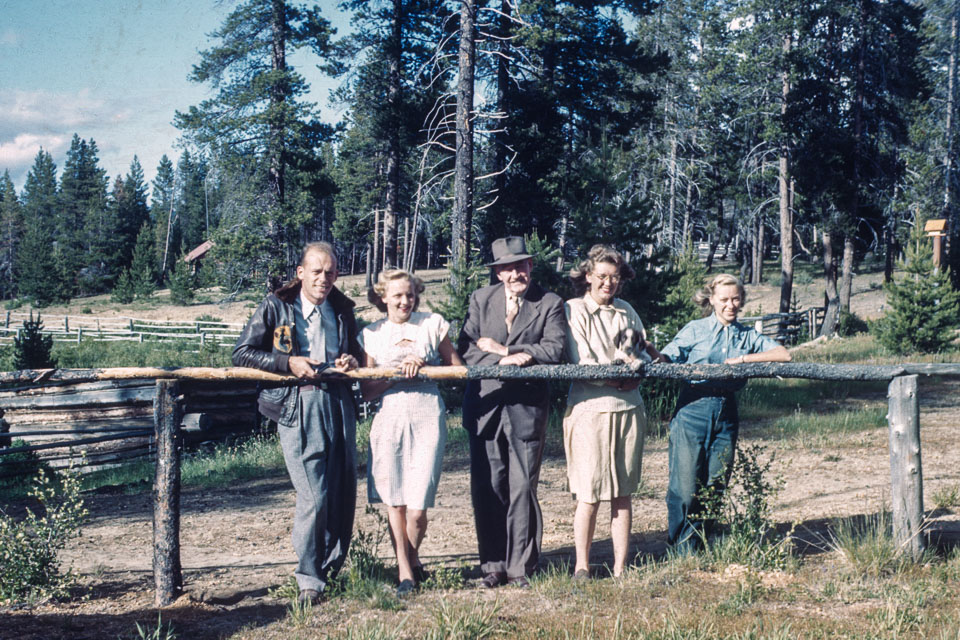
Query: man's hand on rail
[[519, 359], [489, 345], [302, 367]]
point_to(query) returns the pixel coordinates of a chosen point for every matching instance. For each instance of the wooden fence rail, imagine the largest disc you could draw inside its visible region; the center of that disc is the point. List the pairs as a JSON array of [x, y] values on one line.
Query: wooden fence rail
[[169, 400], [122, 328]]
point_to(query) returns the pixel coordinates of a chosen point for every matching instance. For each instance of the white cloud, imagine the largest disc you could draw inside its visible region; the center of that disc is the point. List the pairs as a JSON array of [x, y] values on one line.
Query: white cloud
[[17, 155], [40, 112]]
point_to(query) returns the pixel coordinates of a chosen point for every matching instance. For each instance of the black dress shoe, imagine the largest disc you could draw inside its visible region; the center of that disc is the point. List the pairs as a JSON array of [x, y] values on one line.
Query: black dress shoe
[[493, 580], [519, 582], [310, 596]]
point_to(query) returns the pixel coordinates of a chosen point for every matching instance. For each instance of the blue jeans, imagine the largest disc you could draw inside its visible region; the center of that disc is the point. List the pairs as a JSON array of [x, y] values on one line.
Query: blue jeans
[[703, 438]]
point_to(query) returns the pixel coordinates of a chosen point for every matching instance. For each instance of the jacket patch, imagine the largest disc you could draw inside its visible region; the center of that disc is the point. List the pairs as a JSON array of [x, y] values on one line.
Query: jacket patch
[[282, 339]]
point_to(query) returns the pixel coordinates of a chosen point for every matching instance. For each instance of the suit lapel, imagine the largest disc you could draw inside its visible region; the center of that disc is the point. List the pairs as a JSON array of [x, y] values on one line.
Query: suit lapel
[[497, 319]]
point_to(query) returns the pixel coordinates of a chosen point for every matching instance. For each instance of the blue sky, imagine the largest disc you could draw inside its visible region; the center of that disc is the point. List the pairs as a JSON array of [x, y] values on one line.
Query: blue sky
[[111, 70]]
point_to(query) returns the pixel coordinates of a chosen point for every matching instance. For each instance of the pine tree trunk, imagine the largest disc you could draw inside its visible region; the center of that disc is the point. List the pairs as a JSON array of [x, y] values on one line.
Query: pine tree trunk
[[278, 23], [786, 213], [950, 210], [503, 78], [831, 299], [463, 179], [393, 138], [846, 282], [672, 202]]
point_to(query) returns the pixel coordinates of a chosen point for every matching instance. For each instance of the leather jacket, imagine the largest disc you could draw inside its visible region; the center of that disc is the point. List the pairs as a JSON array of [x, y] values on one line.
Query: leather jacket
[[269, 339]]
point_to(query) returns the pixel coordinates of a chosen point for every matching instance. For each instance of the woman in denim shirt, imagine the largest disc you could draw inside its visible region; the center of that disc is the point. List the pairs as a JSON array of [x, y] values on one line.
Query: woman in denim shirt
[[703, 432]]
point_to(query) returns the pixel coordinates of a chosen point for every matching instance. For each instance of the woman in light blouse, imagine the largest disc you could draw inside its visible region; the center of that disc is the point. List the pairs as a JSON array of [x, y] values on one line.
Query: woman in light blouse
[[603, 428], [409, 432], [703, 432]]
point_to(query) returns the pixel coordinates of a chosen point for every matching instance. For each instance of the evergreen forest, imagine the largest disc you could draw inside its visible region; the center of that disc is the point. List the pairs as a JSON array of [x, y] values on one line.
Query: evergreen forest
[[823, 131]]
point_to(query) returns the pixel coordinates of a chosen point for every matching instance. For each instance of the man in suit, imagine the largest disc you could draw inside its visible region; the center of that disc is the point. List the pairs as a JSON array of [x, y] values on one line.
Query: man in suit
[[514, 322]]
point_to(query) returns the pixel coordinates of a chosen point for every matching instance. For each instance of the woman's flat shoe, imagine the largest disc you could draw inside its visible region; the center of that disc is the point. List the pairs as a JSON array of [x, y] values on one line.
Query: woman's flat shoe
[[581, 575], [406, 588]]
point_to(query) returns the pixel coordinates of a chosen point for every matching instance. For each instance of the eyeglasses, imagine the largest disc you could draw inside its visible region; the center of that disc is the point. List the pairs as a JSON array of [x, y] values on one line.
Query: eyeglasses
[[607, 278]]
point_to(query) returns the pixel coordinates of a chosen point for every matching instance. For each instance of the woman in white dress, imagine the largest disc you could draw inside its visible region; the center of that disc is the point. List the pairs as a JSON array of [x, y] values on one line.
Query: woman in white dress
[[409, 431]]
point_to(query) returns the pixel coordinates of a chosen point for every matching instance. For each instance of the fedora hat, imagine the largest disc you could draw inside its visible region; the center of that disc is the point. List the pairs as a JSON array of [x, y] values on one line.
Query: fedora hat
[[508, 250]]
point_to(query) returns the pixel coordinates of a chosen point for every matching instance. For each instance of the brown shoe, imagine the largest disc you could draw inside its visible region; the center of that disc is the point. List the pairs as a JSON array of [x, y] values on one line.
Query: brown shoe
[[493, 580], [520, 582]]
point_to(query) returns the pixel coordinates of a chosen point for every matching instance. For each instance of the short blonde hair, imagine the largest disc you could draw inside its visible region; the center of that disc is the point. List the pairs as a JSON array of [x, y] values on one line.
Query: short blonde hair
[[702, 297], [600, 253], [376, 293]]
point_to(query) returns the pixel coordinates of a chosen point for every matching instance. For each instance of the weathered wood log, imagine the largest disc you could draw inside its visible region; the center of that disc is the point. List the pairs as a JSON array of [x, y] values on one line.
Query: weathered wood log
[[83, 417], [167, 572], [932, 368], [57, 388], [72, 443], [86, 399], [196, 421], [906, 472]]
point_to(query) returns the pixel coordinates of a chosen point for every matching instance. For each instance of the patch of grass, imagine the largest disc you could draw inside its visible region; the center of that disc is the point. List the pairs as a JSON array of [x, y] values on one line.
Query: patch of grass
[[866, 544], [446, 578], [259, 456], [364, 577], [464, 622], [158, 632], [764, 399], [805, 425], [89, 354], [946, 496]]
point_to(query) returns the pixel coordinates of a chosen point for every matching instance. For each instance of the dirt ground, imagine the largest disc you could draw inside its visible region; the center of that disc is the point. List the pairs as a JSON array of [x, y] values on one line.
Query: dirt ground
[[236, 547]]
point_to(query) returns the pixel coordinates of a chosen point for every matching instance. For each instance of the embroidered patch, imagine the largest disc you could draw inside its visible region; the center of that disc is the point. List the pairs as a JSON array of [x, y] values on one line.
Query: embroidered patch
[[282, 340]]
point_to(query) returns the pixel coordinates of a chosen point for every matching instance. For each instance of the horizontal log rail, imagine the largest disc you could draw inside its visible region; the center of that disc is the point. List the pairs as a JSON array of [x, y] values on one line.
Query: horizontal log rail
[[805, 370]]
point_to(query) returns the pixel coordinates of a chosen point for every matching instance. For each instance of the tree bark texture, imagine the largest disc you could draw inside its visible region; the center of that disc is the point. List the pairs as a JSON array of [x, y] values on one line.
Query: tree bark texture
[[950, 210], [463, 179], [167, 572], [783, 183], [906, 472], [831, 299], [394, 99]]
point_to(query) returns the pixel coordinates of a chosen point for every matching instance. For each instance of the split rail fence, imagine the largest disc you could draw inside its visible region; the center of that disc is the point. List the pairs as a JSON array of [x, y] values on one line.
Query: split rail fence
[[122, 328], [176, 393]]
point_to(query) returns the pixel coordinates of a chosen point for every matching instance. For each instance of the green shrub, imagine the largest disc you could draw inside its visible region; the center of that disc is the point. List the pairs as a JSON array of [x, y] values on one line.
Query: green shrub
[[744, 510], [29, 566], [850, 324], [23, 464], [124, 291], [182, 283], [31, 349], [924, 307]]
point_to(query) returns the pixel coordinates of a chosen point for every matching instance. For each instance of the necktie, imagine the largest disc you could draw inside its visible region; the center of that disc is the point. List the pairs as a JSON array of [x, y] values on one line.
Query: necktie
[[318, 350], [513, 308]]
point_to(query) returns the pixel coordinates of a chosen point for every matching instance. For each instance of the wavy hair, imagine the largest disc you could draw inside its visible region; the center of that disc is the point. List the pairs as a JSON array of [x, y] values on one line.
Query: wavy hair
[[376, 292], [702, 297], [600, 253]]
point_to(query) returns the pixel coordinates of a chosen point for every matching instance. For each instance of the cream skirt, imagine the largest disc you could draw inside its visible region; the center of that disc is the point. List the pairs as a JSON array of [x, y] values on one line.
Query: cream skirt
[[603, 452]]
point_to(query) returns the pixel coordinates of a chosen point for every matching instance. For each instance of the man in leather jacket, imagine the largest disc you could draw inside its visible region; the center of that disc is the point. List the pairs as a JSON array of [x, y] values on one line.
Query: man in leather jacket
[[304, 327]]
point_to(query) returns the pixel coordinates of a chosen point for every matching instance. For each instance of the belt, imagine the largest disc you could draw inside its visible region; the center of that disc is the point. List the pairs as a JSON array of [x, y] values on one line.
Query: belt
[[314, 387]]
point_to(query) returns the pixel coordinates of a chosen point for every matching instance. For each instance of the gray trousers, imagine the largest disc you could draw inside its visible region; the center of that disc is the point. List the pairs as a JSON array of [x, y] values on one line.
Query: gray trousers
[[504, 473], [321, 462]]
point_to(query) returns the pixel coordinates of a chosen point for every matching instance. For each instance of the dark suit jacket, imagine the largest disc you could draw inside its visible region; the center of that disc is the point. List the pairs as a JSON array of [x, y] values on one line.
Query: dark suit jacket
[[539, 330]]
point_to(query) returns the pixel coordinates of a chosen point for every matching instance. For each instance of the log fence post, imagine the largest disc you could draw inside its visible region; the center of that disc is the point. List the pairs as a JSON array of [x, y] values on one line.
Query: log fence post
[[906, 472], [167, 572]]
